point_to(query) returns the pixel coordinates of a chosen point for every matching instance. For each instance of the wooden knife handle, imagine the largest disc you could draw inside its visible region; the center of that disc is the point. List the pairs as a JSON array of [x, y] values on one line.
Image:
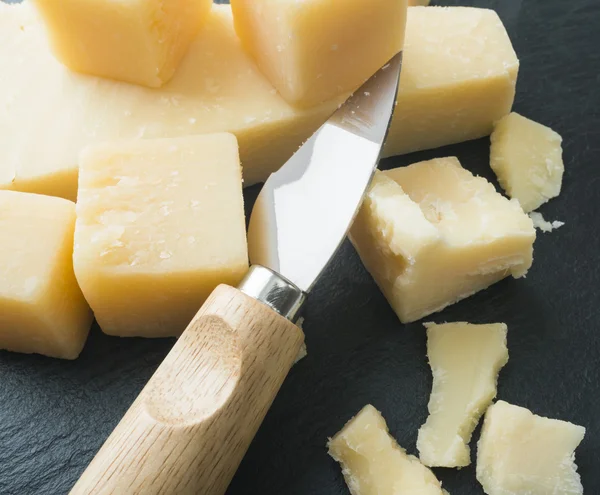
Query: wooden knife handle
[[190, 427]]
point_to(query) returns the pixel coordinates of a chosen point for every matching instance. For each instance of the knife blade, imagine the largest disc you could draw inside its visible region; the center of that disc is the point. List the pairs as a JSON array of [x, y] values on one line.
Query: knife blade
[[191, 425]]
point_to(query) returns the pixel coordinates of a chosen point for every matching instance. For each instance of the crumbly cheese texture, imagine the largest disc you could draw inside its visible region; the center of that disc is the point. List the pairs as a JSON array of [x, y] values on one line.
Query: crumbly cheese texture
[[432, 234], [459, 75], [160, 223], [527, 159], [42, 309], [465, 360], [374, 464], [539, 222], [136, 41], [521, 453], [44, 127], [305, 48]]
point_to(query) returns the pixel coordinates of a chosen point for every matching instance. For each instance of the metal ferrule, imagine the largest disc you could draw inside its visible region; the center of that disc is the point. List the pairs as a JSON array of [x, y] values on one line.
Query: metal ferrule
[[275, 291]]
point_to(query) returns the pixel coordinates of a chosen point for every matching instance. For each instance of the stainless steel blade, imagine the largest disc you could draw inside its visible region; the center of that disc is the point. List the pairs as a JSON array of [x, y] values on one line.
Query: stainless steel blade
[[305, 209]]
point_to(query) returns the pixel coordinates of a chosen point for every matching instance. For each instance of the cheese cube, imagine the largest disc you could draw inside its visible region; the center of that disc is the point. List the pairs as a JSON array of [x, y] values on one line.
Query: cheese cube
[[136, 41], [459, 75], [527, 159], [521, 453], [42, 309], [432, 234], [314, 50], [374, 464], [465, 360], [160, 223]]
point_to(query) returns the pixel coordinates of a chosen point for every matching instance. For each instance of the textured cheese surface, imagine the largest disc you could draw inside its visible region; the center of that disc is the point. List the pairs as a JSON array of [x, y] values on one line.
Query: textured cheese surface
[[374, 464], [314, 50], [521, 453], [138, 41], [160, 223], [42, 309], [527, 159], [431, 234], [458, 77], [44, 127], [465, 360]]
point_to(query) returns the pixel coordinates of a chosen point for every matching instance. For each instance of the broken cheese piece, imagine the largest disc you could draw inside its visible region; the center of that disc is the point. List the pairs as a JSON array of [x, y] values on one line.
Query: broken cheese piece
[[521, 453], [137, 41], [374, 464], [315, 50], [217, 88], [42, 309], [459, 74], [527, 159], [160, 223], [432, 234], [465, 360]]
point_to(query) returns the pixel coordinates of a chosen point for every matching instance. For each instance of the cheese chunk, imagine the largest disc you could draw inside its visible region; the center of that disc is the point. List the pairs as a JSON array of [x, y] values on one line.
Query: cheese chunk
[[160, 223], [458, 77], [42, 309], [314, 50], [374, 464], [44, 127], [432, 234], [527, 159], [465, 360], [521, 453], [137, 41]]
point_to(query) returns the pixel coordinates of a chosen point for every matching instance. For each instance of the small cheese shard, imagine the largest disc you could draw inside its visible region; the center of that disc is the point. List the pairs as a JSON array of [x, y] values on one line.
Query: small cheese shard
[[540, 223], [459, 75], [136, 41], [315, 50], [42, 309], [374, 464], [527, 159], [218, 88], [432, 234], [521, 453], [160, 223], [465, 360]]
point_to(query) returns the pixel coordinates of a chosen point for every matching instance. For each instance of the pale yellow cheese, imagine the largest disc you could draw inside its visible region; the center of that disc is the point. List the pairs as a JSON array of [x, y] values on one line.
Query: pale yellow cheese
[[527, 159], [44, 127], [160, 223], [137, 41], [465, 360], [539, 222], [42, 309], [314, 50], [521, 453], [374, 464], [458, 77], [432, 234]]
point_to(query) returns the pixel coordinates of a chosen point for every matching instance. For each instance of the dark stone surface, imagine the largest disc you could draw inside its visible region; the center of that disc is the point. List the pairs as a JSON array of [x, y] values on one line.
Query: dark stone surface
[[54, 415]]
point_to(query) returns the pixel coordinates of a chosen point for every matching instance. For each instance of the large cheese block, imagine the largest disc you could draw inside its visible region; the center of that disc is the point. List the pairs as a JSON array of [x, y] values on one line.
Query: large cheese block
[[314, 50], [521, 453], [527, 159], [160, 223], [458, 77], [138, 41], [465, 360], [44, 127], [42, 309], [432, 234], [374, 464]]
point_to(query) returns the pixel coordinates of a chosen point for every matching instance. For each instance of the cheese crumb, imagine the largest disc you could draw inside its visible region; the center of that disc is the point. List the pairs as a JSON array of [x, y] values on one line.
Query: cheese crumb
[[540, 223]]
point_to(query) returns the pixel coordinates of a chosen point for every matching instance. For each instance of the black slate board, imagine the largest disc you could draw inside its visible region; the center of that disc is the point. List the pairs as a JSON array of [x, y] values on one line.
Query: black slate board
[[54, 415]]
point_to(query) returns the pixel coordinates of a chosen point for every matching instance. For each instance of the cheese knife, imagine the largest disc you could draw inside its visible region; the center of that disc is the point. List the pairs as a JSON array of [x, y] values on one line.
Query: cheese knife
[[188, 430]]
